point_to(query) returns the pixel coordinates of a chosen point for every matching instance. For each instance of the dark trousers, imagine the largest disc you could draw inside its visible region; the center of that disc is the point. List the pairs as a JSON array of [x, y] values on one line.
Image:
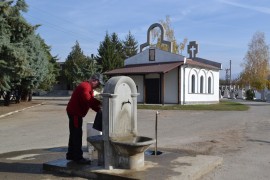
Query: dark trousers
[[75, 138]]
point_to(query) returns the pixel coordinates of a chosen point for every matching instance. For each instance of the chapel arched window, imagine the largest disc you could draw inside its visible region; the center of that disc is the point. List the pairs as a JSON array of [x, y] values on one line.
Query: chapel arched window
[[209, 85], [193, 83], [201, 84]]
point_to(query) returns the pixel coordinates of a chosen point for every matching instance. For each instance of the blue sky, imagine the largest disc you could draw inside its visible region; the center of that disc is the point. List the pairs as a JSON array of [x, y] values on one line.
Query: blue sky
[[223, 28]]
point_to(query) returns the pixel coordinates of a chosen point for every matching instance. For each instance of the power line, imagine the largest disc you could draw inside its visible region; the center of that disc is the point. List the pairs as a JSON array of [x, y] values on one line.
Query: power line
[[60, 20], [60, 28], [48, 13]]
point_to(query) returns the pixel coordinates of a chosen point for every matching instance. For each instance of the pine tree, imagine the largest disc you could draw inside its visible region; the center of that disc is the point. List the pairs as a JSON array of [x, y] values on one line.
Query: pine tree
[[104, 56], [78, 67], [53, 68], [130, 46], [23, 57], [110, 53], [13, 55], [118, 49], [14, 29]]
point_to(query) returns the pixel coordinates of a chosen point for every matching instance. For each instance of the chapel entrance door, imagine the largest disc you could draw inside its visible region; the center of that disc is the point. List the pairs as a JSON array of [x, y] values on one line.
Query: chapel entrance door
[[152, 91]]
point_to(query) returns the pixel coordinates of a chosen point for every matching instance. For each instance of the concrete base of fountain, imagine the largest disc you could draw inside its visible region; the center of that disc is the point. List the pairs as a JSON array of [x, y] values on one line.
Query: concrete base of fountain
[[168, 165]]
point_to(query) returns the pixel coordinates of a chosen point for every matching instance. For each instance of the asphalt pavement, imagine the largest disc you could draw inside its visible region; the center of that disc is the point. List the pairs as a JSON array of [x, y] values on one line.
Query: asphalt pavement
[[40, 134]]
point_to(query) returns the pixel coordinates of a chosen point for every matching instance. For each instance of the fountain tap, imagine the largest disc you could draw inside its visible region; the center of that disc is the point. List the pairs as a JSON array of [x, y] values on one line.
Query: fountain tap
[[127, 102]]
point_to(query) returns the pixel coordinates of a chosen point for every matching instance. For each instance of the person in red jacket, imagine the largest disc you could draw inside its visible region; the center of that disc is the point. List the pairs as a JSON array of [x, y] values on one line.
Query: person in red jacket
[[81, 100]]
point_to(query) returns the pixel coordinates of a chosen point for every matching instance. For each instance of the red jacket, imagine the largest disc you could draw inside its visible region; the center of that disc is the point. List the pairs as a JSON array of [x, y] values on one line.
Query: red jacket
[[82, 99]]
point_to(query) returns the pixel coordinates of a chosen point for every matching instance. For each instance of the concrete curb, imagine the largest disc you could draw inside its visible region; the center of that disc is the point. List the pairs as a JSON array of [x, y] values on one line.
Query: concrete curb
[[10, 113], [40, 98], [52, 98]]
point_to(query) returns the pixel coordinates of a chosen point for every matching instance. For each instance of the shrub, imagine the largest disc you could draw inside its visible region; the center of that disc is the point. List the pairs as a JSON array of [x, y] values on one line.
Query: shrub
[[250, 94]]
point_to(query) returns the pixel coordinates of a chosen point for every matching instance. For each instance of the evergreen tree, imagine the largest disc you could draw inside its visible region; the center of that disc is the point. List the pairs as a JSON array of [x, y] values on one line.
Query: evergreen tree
[[91, 67], [78, 67], [103, 57], [130, 46], [23, 56], [118, 49], [110, 53], [13, 55], [53, 68], [14, 29]]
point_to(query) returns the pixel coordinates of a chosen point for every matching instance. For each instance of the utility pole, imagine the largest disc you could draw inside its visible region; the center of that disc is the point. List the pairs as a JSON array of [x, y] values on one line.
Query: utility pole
[[228, 75], [230, 72]]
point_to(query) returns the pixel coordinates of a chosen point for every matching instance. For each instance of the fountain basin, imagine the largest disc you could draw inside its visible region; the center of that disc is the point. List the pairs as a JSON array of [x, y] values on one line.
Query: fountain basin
[[130, 145], [98, 143], [130, 151]]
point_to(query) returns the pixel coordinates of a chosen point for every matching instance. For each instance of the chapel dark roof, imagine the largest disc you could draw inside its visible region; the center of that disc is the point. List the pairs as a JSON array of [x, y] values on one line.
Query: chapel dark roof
[[157, 67], [145, 68], [206, 61]]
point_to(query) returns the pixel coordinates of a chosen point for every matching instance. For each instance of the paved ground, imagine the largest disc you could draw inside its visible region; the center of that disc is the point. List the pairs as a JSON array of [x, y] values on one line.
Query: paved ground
[[36, 135]]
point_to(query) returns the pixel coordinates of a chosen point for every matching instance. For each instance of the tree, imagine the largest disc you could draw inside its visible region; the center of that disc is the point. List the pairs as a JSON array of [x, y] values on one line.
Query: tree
[[13, 30], [78, 67], [91, 67], [256, 63], [53, 68], [169, 35], [13, 55], [42, 68], [36, 68], [130, 46], [110, 53], [24, 58], [183, 45]]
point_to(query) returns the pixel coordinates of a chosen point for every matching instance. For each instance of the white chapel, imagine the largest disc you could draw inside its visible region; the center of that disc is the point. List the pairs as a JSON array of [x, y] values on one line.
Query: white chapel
[[163, 77]]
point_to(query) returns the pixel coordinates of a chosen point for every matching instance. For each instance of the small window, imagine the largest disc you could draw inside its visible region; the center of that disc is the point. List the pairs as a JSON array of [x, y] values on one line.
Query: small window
[[152, 55]]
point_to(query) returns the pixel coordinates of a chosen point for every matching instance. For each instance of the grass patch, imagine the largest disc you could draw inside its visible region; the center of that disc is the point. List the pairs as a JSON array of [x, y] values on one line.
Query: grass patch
[[221, 106]]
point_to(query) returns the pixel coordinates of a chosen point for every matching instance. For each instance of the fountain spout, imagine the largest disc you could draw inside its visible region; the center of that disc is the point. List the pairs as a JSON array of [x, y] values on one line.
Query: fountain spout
[[123, 103]]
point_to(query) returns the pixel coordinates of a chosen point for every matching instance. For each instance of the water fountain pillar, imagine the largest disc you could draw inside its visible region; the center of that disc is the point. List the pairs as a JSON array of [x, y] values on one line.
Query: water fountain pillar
[[134, 113], [122, 147], [107, 124]]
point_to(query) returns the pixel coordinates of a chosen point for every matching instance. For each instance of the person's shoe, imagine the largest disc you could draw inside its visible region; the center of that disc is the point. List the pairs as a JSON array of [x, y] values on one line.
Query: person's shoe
[[82, 161]]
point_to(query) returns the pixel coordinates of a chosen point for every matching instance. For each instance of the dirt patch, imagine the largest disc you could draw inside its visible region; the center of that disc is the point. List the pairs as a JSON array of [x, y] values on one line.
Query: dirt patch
[[222, 142], [192, 149], [228, 141]]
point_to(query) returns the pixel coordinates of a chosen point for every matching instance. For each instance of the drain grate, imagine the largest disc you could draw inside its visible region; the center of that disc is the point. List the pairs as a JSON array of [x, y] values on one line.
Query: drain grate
[[152, 153]]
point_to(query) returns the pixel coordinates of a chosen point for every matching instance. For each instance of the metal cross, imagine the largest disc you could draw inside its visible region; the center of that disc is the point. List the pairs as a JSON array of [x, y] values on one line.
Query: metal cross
[[193, 49]]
